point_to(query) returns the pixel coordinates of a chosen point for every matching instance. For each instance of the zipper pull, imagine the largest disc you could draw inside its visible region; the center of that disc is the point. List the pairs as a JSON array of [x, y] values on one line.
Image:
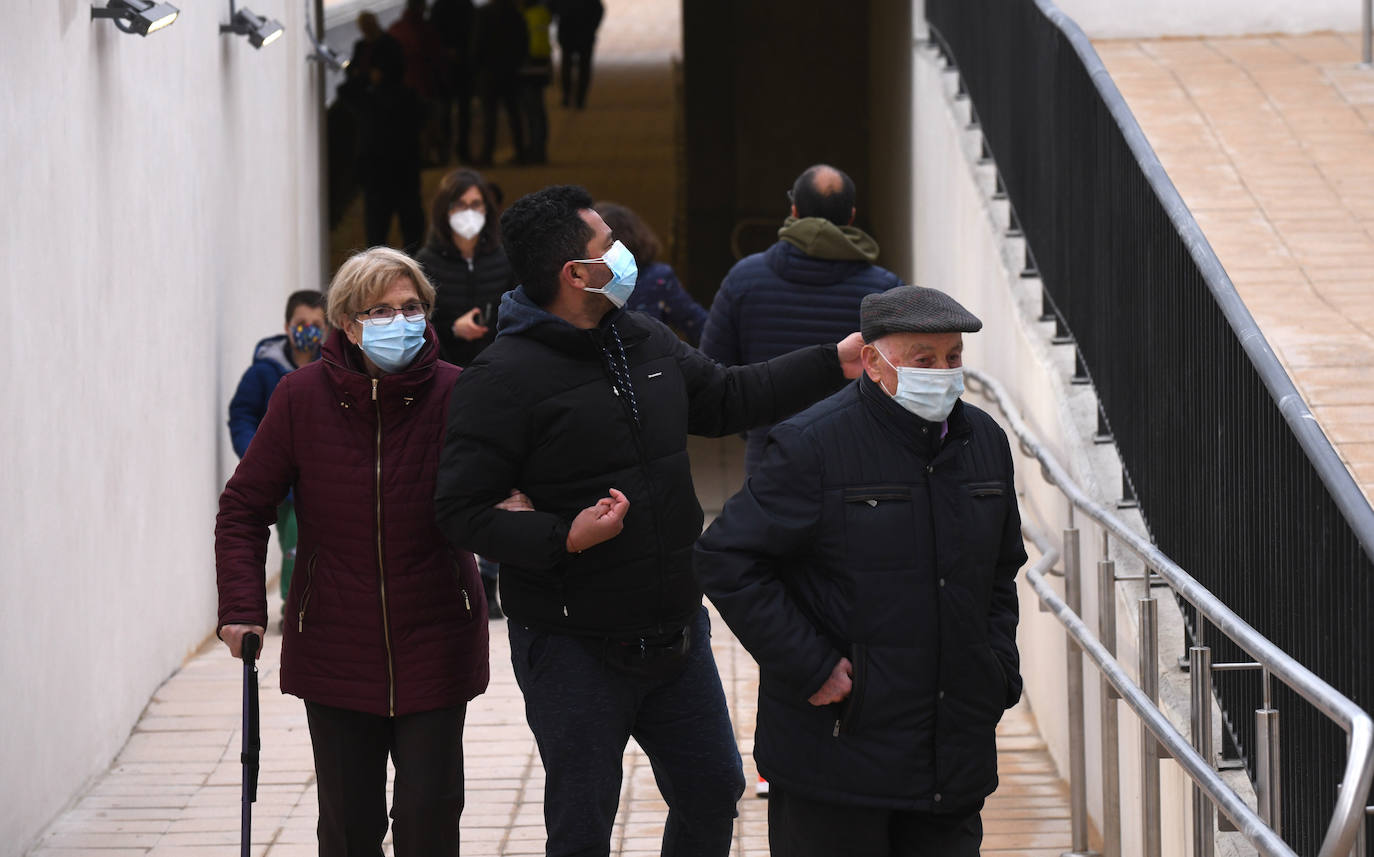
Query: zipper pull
[[300, 625], [565, 609], [615, 389], [374, 389], [467, 603], [836, 733]]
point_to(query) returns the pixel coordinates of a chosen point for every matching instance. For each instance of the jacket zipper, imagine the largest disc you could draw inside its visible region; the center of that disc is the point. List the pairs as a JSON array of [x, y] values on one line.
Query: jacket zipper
[[467, 602], [305, 596], [636, 433], [381, 566]]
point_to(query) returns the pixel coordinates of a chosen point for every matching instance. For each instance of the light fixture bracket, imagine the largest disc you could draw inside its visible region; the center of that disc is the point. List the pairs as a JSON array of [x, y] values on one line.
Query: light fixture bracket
[[137, 17]]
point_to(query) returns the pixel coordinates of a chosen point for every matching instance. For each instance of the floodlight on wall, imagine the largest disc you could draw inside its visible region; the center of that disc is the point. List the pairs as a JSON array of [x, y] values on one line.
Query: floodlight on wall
[[322, 53], [137, 16], [259, 30], [328, 57]]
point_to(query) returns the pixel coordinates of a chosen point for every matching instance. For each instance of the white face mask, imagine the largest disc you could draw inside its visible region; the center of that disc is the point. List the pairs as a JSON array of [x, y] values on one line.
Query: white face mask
[[467, 223], [928, 393]]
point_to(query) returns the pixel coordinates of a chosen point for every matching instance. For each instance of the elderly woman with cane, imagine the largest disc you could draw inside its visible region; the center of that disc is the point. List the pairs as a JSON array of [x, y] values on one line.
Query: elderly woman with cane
[[386, 630]]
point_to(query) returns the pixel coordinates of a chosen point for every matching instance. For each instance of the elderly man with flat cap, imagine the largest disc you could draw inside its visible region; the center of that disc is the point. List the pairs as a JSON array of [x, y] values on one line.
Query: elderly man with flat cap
[[869, 566]]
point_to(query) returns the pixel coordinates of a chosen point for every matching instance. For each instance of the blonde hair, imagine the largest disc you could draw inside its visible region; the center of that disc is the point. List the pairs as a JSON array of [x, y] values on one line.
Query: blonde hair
[[365, 276]]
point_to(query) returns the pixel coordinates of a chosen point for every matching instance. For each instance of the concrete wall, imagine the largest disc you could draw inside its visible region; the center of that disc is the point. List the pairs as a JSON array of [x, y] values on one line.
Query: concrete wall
[[161, 199], [1105, 19], [960, 247]]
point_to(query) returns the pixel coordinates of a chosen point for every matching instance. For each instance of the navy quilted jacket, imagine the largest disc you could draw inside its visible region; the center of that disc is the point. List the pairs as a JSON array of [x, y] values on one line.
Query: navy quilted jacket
[[383, 615], [864, 534], [783, 299]]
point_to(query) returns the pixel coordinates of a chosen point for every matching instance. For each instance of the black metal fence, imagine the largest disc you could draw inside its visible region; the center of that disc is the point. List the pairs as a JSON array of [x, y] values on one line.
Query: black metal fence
[[1235, 480]]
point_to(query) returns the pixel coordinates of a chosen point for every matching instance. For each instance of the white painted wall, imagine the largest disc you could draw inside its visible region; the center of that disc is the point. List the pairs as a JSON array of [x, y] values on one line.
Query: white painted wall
[[1105, 19], [160, 201]]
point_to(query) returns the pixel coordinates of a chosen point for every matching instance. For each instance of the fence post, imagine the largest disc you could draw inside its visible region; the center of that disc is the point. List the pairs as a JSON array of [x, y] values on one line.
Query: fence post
[[1200, 669], [1078, 762], [1367, 28], [1111, 769], [1149, 748]]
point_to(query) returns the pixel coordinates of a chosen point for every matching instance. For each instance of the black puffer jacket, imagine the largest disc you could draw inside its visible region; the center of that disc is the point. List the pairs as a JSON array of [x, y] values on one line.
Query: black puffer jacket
[[863, 534], [541, 410], [459, 288]]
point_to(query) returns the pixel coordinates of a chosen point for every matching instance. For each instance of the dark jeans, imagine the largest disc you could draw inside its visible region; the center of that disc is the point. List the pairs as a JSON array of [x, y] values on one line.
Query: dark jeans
[[351, 749], [583, 713], [579, 57], [798, 827], [494, 97]]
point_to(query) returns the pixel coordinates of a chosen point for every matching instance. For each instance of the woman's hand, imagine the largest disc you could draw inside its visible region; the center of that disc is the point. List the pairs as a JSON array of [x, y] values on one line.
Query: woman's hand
[[599, 523], [466, 327], [516, 502], [233, 635]]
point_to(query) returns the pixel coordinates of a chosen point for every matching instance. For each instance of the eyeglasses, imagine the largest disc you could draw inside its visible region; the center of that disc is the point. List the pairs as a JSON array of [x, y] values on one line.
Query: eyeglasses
[[383, 314]]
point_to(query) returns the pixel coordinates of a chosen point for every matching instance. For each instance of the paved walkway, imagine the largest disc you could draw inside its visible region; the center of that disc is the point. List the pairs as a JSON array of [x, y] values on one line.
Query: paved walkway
[[1271, 143]]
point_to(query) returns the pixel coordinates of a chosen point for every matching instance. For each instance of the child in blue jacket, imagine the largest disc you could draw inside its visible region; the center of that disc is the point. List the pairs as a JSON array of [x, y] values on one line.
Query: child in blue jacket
[[273, 357]]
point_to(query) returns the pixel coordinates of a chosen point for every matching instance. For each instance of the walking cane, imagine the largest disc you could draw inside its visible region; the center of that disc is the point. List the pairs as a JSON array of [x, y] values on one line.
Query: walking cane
[[252, 743]]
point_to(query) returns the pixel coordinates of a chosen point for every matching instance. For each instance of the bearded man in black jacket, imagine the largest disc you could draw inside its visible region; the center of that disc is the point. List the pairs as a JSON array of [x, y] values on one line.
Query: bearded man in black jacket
[[566, 461], [869, 567]]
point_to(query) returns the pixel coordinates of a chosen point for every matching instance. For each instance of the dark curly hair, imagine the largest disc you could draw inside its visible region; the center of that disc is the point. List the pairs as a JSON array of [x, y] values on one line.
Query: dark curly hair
[[453, 186], [543, 231]]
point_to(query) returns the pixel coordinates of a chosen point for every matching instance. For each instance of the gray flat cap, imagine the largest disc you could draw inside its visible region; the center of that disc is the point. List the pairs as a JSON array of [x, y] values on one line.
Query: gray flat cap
[[913, 309]]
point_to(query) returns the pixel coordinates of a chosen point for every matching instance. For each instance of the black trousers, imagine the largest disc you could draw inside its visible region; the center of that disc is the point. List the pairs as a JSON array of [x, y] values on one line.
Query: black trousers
[[798, 827], [351, 750], [383, 199]]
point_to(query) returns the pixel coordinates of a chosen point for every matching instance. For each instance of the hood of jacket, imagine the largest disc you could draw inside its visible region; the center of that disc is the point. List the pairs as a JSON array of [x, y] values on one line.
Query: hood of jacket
[[273, 349], [521, 316], [821, 239]]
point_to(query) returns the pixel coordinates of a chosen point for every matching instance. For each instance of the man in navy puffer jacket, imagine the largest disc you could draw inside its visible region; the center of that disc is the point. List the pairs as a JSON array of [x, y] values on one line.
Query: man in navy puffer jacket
[[804, 290]]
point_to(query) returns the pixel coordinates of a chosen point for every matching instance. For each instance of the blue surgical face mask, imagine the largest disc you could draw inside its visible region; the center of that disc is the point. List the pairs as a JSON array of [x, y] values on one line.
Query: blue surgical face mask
[[393, 344], [928, 393], [624, 272]]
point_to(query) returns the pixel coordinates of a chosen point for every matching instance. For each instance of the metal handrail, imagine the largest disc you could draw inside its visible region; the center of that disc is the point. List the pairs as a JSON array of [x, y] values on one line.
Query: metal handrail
[[1335, 476], [1349, 811]]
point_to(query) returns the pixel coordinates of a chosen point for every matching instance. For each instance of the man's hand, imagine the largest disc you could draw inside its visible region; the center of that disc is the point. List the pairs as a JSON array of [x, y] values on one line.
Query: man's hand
[[233, 635], [516, 502], [849, 349], [466, 327], [599, 523], [840, 683]]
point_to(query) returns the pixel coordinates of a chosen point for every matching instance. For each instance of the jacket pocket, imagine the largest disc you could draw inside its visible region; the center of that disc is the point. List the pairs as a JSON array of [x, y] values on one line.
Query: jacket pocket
[[880, 526], [850, 719], [987, 489], [305, 594]]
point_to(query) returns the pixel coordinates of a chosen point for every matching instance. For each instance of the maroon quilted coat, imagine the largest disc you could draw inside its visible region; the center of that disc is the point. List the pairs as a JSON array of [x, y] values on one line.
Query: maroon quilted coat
[[383, 615]]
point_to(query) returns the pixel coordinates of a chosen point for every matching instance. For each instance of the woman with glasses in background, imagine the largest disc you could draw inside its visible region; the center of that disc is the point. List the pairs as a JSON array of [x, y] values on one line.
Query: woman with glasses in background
[[386, 632]]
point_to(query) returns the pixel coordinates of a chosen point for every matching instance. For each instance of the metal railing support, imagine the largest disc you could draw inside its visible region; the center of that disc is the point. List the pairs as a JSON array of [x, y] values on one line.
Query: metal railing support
[[1267, 791], [1149, 747], [1367, 30], [1200, 661], [1078, 760], [1111, 768]]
